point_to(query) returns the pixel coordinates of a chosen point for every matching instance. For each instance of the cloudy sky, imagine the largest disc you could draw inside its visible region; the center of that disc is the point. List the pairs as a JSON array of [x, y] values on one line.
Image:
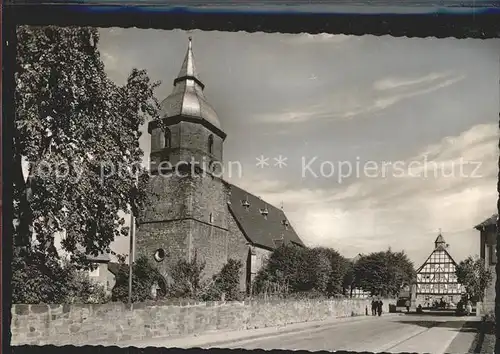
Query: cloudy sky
[[414, 120]]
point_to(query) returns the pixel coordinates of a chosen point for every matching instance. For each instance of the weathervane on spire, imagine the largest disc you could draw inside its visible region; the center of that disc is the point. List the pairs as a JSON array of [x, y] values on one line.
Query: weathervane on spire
[[281, 205], [440, 231]]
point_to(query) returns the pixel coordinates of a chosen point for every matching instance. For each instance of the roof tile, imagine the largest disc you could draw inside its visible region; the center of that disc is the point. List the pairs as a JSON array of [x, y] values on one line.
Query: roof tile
[[260, 230]]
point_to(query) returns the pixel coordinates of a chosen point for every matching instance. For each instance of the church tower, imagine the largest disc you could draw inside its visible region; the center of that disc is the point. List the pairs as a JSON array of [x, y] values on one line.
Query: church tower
[[187, 212]]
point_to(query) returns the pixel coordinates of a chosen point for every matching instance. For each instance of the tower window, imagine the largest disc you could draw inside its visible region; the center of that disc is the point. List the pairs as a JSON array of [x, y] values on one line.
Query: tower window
[[168, 138], [211, 144]]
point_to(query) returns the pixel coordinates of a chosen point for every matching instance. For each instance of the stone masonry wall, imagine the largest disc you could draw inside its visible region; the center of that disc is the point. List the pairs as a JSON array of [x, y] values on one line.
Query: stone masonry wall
[[110, 323], [185, 215]]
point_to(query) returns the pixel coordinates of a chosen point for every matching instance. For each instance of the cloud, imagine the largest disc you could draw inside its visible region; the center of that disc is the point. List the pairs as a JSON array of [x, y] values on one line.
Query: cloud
[[395, 83], [307, 38], [110, 61], [371, 214], [347, 105]]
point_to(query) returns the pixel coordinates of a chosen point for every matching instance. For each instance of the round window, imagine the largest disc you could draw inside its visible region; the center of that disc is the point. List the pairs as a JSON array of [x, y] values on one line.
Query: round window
[[159, 255]]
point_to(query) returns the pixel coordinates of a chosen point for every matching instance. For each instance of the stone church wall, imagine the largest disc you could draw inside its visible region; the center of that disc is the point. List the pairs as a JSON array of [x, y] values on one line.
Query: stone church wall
[[172, 236], [238, 248], [185, 215]]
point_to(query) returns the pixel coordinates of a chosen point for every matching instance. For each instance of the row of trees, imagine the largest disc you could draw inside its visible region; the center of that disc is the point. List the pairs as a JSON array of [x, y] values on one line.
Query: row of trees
[[291, 270]]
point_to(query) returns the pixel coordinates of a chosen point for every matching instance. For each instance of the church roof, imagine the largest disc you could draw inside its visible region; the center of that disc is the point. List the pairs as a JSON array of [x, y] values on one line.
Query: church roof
[[265, 231], [187, 98], [488, 222]]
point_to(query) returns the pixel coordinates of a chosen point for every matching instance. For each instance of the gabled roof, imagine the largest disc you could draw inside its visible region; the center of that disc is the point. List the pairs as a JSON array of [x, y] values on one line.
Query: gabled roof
[[488, 222], [259, 230], [435, 250], [114, 267], [355, 259], [102, 257]]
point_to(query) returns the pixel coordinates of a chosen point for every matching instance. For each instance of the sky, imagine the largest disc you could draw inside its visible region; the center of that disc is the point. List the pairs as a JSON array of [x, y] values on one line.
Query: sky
[[409, 126]]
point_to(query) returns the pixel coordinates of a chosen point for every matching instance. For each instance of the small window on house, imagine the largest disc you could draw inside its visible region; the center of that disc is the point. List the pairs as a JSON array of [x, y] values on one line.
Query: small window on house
[[211, 144], [264, 212], [245, 203], [168, 138], [94, 273], [211, 218]]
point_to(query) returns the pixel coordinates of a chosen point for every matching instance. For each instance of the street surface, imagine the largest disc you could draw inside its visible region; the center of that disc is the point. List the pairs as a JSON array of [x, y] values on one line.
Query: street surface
[[393, 333]]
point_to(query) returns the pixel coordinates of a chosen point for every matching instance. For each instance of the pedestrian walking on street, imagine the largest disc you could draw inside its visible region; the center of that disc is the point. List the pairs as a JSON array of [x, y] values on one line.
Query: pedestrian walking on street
[[379, 309], [469, 308], [407, 304], [374, 307]]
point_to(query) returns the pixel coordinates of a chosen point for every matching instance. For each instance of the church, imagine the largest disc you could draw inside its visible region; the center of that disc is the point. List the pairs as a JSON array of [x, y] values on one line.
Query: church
[[436, 278], [191, 209]]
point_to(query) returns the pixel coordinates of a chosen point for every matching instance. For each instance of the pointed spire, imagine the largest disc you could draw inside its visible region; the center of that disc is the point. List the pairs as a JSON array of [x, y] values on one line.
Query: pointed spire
[[188, 69], [187, 98], [439, 240]]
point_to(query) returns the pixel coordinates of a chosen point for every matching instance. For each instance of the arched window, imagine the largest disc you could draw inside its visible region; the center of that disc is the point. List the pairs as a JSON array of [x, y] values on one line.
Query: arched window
[[168, 138], [211, 144]]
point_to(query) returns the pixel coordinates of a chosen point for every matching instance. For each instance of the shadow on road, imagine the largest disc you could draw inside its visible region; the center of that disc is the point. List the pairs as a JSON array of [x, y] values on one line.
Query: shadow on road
[[446, 313], [469, 326]]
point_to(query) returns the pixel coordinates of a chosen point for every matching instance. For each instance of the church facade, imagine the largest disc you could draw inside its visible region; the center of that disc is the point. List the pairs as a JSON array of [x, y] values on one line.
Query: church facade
[[436, 278], [192, 211]]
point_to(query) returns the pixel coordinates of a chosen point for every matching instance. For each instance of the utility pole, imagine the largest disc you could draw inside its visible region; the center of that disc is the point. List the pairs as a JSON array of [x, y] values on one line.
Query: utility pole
[[131, 248]]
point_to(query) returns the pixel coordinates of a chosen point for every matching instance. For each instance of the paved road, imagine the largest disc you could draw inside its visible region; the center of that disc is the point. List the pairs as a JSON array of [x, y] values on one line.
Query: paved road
[[394, 334], [428, 333]]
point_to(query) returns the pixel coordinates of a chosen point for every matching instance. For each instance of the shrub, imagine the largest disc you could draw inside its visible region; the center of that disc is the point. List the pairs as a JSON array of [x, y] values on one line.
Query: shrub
[[225, 285], [144, 276], [187, 279]]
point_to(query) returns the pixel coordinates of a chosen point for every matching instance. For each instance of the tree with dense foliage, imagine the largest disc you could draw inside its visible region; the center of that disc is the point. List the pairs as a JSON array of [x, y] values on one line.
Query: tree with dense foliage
[[384, 273], [43, 280], [473, 274], [187, 279], [225, 284], [144, 277], [339, 267], [292, 269], [284, 269], [348, 281], [79, 134], [76, 149]]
